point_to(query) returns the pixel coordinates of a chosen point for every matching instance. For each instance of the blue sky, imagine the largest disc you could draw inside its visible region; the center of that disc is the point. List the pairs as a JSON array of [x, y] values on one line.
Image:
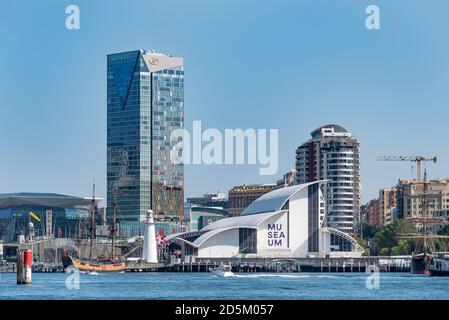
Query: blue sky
[[292, 65]]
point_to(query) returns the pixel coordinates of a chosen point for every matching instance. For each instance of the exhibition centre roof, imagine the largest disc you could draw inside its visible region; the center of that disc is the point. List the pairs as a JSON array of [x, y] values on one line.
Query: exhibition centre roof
[[29, 199]]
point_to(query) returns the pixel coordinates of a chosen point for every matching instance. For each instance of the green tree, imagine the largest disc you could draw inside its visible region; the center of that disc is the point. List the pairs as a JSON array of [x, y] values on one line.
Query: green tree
[[441, 245], [368, 230], [361, 242], [387, 240], [444, 231], [402, 248]]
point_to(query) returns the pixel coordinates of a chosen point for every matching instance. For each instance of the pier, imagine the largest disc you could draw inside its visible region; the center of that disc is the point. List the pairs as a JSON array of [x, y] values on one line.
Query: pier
[[384, 264], [248, 265], [274, 265]]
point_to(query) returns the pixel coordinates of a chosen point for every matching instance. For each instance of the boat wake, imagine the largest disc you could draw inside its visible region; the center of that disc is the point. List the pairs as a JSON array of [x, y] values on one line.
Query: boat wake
[[296, 276]]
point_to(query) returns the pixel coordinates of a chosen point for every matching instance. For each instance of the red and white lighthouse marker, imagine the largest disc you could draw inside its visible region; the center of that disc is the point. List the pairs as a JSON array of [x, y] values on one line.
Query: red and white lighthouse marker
[[24, 264]]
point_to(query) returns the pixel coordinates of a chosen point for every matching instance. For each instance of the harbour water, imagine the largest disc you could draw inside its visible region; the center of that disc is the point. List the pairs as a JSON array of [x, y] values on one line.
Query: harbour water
[[302, 286]]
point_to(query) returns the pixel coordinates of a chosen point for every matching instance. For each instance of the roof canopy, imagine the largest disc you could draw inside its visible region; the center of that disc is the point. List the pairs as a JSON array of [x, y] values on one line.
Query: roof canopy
[[337, 128], [43, 200], [250, 222], [275, 200]]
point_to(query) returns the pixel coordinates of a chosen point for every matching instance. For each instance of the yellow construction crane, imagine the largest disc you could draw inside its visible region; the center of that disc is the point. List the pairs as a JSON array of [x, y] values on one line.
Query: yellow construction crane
[[417, 159]]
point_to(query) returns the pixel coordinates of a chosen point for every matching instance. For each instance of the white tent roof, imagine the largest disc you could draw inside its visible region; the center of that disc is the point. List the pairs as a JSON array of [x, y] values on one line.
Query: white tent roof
[[251, 222], [274, 200], [241, 221]]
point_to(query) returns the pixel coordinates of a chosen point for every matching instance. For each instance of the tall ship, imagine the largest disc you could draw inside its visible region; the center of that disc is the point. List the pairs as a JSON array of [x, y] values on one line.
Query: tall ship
[[420, 263], [94, 262], [424, 250], [424, 245]]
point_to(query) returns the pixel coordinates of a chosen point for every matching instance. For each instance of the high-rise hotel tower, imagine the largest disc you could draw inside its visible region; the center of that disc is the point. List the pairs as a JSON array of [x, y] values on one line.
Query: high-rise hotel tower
[[333, 154], [145, 102]]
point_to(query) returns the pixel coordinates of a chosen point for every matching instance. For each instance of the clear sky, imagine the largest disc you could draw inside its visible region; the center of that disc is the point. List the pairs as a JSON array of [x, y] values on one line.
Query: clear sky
[[292, 65]]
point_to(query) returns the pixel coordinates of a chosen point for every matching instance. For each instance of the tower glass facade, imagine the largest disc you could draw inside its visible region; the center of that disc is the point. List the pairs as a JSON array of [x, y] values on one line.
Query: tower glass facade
[[145, 103]]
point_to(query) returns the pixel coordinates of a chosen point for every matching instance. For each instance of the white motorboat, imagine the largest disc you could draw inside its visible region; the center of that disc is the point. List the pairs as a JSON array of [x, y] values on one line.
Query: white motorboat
[[222, 271]]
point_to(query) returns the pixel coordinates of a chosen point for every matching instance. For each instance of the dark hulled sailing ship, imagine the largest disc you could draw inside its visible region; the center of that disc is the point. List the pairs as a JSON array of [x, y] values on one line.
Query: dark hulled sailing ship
[[420, 263]]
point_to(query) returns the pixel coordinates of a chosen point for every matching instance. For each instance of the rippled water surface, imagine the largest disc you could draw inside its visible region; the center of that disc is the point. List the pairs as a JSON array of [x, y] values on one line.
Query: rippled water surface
[[240, 286]]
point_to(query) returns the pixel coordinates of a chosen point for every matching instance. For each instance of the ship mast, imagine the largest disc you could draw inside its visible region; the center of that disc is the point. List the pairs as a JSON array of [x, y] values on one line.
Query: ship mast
[[114, 206], [425, 212], [79, 238], [92, 223]]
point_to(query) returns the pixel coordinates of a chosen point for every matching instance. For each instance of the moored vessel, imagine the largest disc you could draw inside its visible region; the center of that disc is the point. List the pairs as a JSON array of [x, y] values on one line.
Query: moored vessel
[[95, 264], [439, 266], [420, 263]]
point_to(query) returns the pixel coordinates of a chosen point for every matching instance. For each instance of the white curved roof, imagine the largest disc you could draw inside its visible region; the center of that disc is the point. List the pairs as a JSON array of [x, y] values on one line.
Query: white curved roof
[[250, 222], [275, 200], [239, 221]]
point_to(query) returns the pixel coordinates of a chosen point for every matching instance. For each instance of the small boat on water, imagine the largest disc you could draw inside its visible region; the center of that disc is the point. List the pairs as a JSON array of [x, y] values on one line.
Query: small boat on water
[[439, 266], [222, 271]]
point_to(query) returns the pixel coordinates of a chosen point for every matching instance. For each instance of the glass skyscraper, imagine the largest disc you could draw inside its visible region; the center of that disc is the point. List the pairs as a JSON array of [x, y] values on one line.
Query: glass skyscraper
[[145, 102]]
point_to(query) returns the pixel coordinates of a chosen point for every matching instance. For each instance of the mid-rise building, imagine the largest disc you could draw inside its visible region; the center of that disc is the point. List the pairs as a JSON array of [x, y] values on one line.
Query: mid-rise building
[[288, 179], [217, 200], [381, 211], [242, 196], [371, 213], [443, 216], [333, 154], [199, 216], [410, 197], [387, 205], [145, 103]]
